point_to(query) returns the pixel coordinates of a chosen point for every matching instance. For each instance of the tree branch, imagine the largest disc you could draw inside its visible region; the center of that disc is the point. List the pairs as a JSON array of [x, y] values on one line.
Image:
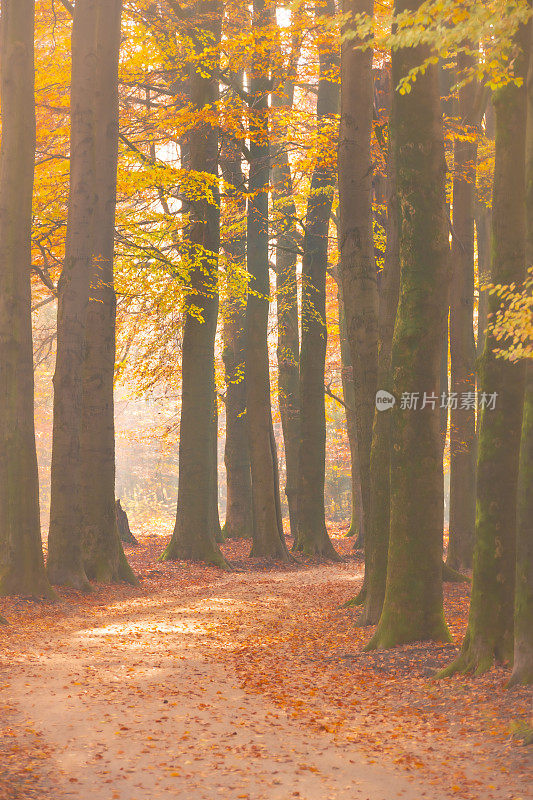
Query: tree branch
[[68, 6], [333, 396]]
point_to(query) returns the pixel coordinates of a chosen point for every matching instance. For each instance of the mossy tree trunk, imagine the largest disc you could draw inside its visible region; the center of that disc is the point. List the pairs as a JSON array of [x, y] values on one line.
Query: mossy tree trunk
[[357, 267], [103, 556], [378, 543], [523, 619], [268, 539], [523, 623], [21, 557], [462, 344], [239, 522], [312, 536], [65, 557], [413, 608], [489, 634], [288, 347], [195, 530]]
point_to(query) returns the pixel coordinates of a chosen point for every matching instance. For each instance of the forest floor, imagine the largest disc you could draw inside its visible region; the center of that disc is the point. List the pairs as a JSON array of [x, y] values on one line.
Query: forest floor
[[249, 684]]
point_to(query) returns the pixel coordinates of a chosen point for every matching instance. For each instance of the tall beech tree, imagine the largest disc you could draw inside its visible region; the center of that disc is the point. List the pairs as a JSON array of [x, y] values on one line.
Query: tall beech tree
[[523, 620], [378, 539], [357, 266], [288, 346], [268, 539], [95, 136], [462, 343], [413, 608], [490, 634], [103, 556], [313, 537], [21, 558], [195, 531], [65, 557], [239, 522]]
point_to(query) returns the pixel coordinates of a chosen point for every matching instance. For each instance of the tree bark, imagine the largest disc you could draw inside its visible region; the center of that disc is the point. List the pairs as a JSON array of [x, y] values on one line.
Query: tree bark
[[239, 522], [380, 456], [194, 532], [357, 267], [65, 558], [103, 555], [523, 610], [357, 528], [268, 538], [462, 344], [489, 633], [21, 557], [288, 349], [523, 619], [413, 608], [313, 537]]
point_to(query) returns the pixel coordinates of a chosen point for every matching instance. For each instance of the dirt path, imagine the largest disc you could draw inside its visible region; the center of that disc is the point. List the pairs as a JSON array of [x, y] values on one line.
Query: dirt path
[[139, 707], [244, 685]]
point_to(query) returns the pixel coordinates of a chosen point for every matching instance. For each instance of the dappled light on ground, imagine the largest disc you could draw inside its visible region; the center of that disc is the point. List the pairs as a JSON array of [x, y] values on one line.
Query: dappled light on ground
[[250, 684]]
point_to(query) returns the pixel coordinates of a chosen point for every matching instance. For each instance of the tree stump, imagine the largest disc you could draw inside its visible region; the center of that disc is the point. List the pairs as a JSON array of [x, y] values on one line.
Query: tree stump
[[123, 525]]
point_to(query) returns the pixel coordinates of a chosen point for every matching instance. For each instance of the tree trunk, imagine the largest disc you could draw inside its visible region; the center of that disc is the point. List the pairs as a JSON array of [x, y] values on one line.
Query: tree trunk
[[21, 557], [123, 525], [378, 543], [239, 522], [357, 528], [412, 608], [268, 539], [288, 349], [219, 536], [523, 620], [313, 537], [103, 556], [483, 234], [523, 611], [194, 531], [489, 634], [462, 344], [65, 559], [357, 268]]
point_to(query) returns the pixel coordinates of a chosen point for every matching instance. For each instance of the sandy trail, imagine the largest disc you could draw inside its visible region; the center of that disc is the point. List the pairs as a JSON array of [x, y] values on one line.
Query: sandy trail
[[139, 704]]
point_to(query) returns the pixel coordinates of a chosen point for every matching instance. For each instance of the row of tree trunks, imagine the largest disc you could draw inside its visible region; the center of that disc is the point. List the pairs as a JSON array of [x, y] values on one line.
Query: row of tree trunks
[[413, 604], [21, 558], [312, 538], [490, 632]]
